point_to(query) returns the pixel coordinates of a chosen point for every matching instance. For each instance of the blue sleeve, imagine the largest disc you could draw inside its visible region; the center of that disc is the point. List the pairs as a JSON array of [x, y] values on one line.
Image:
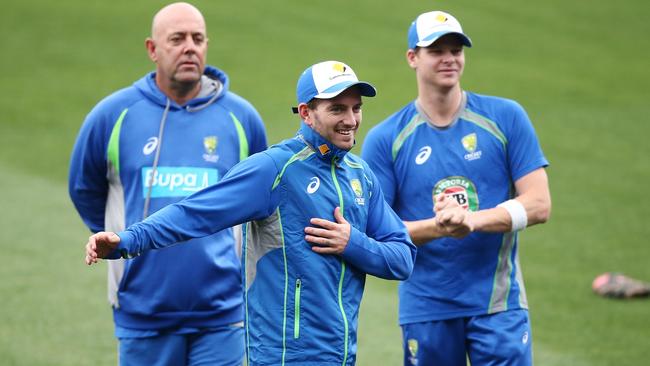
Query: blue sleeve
[[222, 205], [385, 250], [87, 182], [377, 152], [524, 152]]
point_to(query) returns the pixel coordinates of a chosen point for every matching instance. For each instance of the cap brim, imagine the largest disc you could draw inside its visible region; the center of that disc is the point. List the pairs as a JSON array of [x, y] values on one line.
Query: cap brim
[[365, 89], [428, 41]]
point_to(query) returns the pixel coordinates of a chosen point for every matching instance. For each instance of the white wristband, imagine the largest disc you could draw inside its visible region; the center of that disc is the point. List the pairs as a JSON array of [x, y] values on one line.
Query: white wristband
[[517, 213]]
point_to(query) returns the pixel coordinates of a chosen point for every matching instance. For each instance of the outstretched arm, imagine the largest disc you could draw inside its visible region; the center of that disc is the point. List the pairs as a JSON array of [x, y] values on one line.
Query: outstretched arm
[[205, 212]]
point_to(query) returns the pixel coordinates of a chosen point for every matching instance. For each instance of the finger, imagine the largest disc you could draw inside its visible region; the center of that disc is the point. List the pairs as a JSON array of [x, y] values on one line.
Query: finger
[[317, 240], [339, 216], [114, 238], [326, 224], [319, 232], [455, 219], [447, 203], [324, 250], [441, 203], [442, 216], [90, 252]]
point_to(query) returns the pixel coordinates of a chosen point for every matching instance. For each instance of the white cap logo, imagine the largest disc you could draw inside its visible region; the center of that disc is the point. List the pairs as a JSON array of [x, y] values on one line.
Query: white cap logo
[[428, 27], [329, 74]]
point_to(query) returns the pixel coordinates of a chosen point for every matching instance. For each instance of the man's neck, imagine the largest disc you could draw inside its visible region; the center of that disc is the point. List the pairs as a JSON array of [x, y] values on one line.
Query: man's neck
[[440, 105], [180, 93]]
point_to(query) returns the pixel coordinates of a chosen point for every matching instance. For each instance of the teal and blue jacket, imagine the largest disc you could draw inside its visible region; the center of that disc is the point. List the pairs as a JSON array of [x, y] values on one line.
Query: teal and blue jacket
[[301, 307], [114, 176]]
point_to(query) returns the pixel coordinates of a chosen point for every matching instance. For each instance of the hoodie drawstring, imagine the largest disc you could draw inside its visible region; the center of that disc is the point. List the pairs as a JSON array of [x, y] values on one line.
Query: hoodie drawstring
[[147, 201]]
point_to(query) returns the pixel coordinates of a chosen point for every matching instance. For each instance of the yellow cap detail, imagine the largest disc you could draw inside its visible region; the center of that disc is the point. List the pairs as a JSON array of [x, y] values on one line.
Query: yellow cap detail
[[339, 67]]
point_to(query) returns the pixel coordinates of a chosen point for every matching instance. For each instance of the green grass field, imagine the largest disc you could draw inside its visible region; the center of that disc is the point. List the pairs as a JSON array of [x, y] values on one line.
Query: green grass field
[[580, 68]]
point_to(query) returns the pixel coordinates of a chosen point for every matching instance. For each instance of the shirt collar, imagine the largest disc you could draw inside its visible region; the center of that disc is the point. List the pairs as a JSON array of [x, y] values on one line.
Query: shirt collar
[[323, 148]]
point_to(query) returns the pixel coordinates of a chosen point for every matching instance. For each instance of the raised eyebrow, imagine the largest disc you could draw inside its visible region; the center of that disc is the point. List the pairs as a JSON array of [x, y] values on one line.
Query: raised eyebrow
[[193, 34]]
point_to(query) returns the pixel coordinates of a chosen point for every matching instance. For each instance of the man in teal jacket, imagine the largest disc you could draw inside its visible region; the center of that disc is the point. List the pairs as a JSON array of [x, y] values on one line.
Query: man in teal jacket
[[318, 223]]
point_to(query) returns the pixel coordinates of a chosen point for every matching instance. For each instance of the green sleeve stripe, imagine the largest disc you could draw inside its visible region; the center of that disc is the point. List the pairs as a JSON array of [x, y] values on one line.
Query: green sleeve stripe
[[345, 318], [352, 164], [300, 155], [406, 132], [113, 153], [484, 123], [243, 141]]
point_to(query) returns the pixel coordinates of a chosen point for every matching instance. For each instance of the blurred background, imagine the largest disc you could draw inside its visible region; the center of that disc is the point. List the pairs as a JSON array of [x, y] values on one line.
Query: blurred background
[[580, 68]]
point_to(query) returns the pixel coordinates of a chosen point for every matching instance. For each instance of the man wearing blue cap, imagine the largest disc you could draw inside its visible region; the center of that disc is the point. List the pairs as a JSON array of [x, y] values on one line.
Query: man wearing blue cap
[[465, 172], [317, 224]]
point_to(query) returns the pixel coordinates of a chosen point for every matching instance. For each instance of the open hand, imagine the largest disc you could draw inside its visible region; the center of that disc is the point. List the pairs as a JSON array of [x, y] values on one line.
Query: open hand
[[329, 237], [100, 245]]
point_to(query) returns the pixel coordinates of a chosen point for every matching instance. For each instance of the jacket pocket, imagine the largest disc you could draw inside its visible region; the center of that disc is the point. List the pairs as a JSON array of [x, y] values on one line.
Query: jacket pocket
[[296, 309]]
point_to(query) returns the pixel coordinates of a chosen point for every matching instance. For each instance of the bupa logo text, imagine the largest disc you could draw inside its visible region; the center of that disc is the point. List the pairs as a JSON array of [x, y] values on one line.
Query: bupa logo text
[[176, 181]]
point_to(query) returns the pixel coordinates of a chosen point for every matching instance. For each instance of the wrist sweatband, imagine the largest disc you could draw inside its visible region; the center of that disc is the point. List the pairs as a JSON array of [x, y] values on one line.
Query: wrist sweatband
[[517, 213]]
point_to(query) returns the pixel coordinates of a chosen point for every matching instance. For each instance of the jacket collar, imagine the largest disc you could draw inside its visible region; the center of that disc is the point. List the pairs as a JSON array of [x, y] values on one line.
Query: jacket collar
[[214, 84], [323, 148]]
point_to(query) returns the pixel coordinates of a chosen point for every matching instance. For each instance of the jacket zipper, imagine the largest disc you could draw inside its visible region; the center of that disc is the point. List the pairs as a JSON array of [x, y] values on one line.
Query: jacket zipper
[[296, 310], [340, 290]]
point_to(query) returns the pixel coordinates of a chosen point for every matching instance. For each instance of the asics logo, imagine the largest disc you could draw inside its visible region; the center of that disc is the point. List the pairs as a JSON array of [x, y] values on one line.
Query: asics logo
[[423, 155], [314, 183], [150, 146]]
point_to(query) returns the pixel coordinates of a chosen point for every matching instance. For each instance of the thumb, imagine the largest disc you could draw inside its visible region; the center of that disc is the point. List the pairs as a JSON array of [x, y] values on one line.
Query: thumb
[[339, 216], [113, 238]]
